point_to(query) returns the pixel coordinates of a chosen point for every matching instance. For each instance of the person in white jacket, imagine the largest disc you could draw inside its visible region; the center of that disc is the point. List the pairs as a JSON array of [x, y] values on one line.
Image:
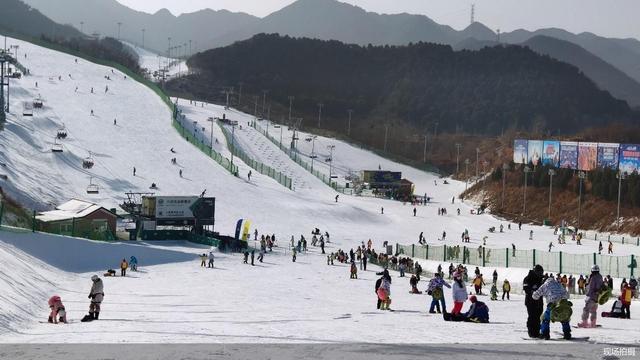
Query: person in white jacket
[[96, 295], [459, 291]]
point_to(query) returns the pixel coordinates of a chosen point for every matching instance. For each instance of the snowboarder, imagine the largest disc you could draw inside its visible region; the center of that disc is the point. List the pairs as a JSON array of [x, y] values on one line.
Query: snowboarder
[[261, 255], [558, 307], [133, 262], [610, 248], [617, 310], [211, 260], [249, 176], [506, 289], [530, 284], [124, 265], [203, 260], [591, 302], [58, 312], [337, 196], [437, 294], [600, 248], [494, 292], [413, 282], [550, 245], [96, 295]]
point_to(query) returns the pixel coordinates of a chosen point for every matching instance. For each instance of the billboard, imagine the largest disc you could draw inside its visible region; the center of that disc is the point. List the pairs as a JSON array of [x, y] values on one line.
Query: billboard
[[534, 152], [569, 154], [608, 155], [381, 176], [629, 158], [184, 210], [520, 151], [551, 153], [587, 156]]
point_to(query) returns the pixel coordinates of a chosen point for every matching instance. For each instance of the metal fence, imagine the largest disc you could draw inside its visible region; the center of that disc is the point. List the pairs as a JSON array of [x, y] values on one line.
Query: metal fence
[[556, 262], [298, 160], [278, 176]]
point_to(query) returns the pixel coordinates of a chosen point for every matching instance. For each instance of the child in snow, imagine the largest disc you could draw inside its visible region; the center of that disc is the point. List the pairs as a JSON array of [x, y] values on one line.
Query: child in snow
[[211, 259], [414, 285], [203, 260], [558, 307], [96, 295], [478, 313], [506, 288], [494, 292], [57, 310], [437, 294], [354, 270]]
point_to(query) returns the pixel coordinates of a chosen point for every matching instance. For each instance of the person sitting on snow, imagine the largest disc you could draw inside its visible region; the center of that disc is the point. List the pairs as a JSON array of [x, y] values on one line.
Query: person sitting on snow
[[558, 307], [478, 312], [616, 310], [57, 310]]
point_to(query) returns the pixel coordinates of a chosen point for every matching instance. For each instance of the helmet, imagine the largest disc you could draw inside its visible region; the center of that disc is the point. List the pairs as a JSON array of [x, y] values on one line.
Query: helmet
[[473, 298], [95, 278], [538, 270], [595, 268]]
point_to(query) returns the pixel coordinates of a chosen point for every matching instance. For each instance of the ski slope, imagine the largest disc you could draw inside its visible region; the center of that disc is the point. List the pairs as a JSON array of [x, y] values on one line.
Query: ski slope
[[277, 302], [153, 62]]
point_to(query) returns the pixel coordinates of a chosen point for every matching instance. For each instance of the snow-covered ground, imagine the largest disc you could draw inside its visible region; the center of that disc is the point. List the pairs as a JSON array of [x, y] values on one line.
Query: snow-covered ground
[[154, 62], [174, 300]]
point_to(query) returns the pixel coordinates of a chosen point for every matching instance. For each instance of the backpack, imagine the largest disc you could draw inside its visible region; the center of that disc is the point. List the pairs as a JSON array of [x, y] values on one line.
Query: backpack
[[604, 294], [562, 311]]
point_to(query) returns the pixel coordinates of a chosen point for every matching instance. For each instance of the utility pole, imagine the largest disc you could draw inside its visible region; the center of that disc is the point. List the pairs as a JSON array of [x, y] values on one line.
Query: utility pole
[[621, 175], [582, 175], [331, 148], [212, 121], [477, 158], [527, 170], [82, 27], [473, 13], [505, 168], [290, 105], [255, 109], [320, 105], [264, 101], [190, 52], [386, 132], [119, 25], [466, 173], [233, 132], [240, 93], [313, 149], [350, 111], [424, 152], [551, 174], [458, 146]]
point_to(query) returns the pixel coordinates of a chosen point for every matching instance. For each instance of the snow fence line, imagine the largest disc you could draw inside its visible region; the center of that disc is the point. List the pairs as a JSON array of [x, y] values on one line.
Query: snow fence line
[[556, 262], [263, 169], [296, 158], [224, 162]]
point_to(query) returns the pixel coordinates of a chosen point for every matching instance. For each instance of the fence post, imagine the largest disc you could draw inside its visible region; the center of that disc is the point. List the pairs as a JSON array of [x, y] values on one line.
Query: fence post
[[444, 254], [534, 257], [33, 222], [560, 262], [483, 261], [623, 239], [397, 248], [464, 254], [427, 255], [507, 255], [594, 258], [413, 250]]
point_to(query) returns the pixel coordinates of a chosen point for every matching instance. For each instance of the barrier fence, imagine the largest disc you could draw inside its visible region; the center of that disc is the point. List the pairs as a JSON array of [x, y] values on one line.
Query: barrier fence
[[256, 165], [555, 262], [298, 160]]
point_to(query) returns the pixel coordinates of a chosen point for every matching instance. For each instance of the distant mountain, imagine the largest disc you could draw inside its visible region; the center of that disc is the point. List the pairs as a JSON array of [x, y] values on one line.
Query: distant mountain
[[413, 86], [102, 16], [18, 17]]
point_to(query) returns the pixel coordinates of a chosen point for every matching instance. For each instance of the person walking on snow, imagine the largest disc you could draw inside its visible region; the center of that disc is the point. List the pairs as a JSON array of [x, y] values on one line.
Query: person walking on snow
[[57, 310], [203, 260], [591, 301], [506, 289], [124, 265], [600, 248], [133, 262], [530, 284], [211, 259], [96, 294], [384, 291], [435, 289], [610, 249], [337, 196], [354, 271], [414, 211], [558, 307], [253, 254]]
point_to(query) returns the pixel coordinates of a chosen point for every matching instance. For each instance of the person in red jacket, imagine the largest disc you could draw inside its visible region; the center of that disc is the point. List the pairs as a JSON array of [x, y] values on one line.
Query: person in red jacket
[[57, 310]]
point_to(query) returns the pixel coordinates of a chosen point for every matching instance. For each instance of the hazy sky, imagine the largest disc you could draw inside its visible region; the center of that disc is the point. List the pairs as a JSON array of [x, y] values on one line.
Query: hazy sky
[[619, 18]]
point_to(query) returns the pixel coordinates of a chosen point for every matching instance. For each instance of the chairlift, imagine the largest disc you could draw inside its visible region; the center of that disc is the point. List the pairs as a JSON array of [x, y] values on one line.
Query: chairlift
[[62, 133], [88, 162], [276, 126], [327, 159], [56, 147], [334, 176], [92, 188], [313, 156], [38, 102], [309, 139]]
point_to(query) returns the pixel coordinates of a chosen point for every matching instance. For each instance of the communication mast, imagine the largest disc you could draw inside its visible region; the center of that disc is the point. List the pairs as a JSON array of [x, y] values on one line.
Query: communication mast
[[473, 13]]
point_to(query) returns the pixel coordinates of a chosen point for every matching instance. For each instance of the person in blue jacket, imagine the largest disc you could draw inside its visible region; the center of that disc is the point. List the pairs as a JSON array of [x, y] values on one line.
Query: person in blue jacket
[[478, 313], [133, 262]]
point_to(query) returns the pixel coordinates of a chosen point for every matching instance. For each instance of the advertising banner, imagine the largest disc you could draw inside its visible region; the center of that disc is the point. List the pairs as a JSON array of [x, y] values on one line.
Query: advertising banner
[[587, 156], [608, 155], [534, 152], [569, 154], [551, 153], [184, 210], [520, 151], [629, 158]]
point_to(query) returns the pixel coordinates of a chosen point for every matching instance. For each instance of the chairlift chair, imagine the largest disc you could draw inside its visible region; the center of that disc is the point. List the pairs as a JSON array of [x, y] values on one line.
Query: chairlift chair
[[62, 133], [313, 156], [308, 139], [88, 162], [327, 159], [276, 126], [27, 109], [92, 188]]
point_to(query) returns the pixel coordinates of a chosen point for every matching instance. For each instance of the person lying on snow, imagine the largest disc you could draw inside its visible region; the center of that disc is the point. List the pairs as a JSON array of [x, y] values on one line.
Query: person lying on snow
[[57, 310], [616, 310], [478, 313]]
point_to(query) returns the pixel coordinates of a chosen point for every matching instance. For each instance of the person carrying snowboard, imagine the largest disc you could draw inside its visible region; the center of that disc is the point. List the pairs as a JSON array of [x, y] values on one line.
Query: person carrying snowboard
[[530, 284], [437, 294], [58, 312], [96, 294], [558, 307], [596, 285]]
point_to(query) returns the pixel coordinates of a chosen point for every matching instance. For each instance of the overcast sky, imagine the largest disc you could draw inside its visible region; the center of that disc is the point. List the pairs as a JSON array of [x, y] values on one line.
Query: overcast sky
[[619, 18]]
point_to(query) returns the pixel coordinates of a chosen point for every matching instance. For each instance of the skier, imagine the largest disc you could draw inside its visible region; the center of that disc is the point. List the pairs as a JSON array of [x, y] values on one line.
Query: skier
[[437, 294], [414, 211], [354, 271], [211, 259], [203, 260], [530, 284], [591, 302], [96, 295], [134, 171], [133, 262], [337, 196], [459, 292], [124, 265], [58, 312], [558, 307], [180, 172], [506, 289], [249, 176]]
